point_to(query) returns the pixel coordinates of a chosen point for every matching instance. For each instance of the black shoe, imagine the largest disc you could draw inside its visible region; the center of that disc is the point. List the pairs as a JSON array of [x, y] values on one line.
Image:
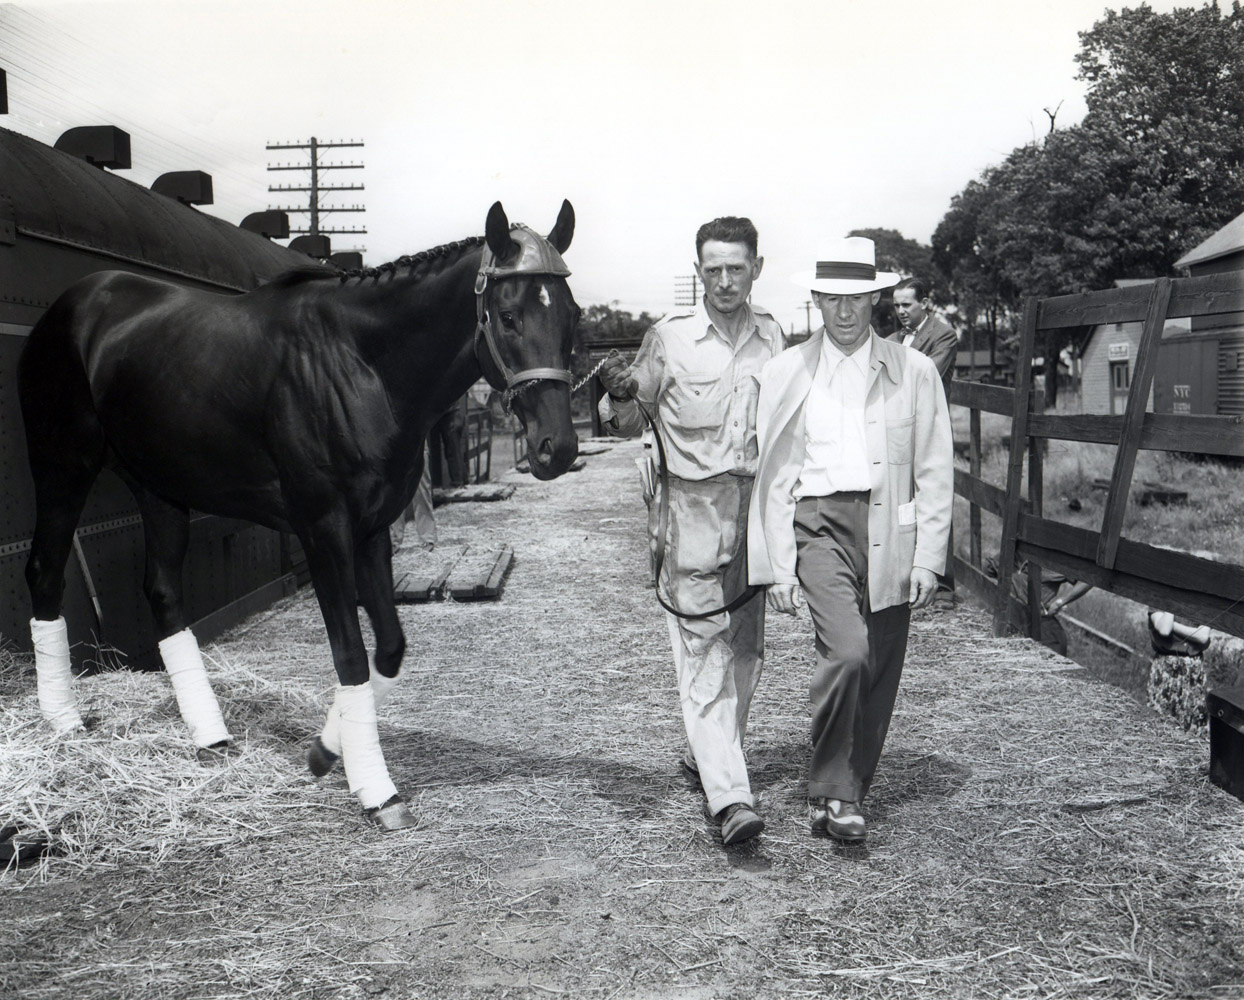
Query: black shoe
[[739, 822]]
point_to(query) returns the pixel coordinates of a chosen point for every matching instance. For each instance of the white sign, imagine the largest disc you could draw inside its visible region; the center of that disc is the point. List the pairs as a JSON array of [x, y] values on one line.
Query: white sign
[[1119, 352]]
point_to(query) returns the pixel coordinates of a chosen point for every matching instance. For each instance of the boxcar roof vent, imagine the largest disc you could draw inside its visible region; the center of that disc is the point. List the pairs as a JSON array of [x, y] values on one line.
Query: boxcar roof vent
[[347, 260], [317, 245], [274, 224], [190, 187], [101, 145]]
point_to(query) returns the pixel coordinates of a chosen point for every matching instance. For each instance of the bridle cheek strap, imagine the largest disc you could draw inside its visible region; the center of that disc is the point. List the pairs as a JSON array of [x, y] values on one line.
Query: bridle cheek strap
[[502, 378]]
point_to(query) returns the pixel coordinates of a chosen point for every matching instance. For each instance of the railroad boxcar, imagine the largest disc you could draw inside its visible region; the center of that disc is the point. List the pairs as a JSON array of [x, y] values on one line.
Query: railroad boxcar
[[63, 215]]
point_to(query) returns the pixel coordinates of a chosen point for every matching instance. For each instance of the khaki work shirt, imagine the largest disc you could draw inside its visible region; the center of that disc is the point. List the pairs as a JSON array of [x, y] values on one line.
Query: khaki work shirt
[[703, 390]]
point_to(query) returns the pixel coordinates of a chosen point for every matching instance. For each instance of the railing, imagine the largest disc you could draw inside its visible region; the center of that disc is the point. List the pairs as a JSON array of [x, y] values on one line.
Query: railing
[[1204, 590], [478, 453]]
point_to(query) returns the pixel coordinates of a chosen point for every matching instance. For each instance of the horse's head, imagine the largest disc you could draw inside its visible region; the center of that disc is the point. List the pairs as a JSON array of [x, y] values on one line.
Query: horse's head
[[526, 333]]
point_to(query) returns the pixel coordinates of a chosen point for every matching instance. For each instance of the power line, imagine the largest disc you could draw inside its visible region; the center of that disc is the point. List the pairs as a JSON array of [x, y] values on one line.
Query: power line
[[315, 190]]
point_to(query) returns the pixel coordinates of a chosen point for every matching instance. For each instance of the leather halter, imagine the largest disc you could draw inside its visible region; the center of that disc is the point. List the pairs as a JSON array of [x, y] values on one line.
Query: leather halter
[[536, 256]]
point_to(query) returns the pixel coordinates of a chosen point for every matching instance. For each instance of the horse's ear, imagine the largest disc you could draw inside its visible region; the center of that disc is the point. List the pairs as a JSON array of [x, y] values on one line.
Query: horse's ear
[[563, 230], [497, 233]]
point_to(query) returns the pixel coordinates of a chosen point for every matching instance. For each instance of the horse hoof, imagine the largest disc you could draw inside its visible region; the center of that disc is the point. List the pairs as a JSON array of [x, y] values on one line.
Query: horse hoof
[[217, 753], [320, 759], [393, 815]]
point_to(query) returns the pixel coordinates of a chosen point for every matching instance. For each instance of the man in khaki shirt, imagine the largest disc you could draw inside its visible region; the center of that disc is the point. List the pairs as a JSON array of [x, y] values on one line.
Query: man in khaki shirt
[[695, 374]]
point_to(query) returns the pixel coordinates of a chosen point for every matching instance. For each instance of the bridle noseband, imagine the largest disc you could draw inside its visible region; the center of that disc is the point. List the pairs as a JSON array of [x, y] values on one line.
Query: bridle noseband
[[536, 256]]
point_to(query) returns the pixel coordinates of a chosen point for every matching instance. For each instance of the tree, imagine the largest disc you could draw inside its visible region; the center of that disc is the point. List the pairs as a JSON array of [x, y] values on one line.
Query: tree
[[1156, 166]]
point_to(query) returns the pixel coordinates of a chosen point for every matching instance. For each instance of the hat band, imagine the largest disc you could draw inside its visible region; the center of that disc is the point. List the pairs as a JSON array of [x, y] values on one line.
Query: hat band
[[845, 270]]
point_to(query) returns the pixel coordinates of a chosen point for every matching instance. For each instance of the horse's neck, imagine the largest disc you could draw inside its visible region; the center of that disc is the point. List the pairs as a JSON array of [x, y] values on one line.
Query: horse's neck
[[420, 337]]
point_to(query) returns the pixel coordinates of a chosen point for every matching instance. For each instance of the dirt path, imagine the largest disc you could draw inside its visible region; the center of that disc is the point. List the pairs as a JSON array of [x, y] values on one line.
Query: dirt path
[[1033, 832]]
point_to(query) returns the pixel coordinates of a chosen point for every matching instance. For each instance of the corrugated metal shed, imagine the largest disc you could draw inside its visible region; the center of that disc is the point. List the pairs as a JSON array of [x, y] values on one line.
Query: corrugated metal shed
[[57, 197]]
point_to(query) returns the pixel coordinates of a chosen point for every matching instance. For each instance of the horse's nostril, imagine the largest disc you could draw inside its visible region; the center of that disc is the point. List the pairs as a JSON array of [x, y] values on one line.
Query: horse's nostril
[[545, 451]]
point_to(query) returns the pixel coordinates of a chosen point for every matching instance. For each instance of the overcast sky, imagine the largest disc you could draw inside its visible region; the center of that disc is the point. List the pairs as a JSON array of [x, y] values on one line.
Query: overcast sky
[[811, 118]]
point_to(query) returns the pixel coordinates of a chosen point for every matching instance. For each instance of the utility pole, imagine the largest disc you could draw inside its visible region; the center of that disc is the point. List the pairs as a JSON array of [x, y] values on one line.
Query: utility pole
[[687, 290], [314, 192], [807, 310]]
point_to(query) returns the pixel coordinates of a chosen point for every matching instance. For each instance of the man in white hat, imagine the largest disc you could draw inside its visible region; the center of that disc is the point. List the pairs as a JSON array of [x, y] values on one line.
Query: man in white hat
[[695, 371], [850, 511]]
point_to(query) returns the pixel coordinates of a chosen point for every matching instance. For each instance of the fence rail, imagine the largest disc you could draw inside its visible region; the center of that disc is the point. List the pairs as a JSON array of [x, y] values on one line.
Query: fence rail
[[1204, 590]]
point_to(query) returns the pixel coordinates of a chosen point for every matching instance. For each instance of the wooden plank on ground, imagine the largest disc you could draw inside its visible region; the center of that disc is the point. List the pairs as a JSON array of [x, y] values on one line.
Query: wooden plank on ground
[[1133, 418], [473, 493], [421, 575], [479, 574]]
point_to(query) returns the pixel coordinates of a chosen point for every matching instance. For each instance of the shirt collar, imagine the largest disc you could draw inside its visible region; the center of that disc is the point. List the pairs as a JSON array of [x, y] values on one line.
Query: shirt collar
[[832, 355], [705, 325]]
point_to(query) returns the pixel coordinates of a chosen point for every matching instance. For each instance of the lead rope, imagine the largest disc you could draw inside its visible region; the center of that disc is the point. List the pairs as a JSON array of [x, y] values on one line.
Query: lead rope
[[663, 508]]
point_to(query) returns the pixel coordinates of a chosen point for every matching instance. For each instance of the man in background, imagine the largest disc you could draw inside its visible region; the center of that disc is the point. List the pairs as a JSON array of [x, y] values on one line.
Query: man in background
[[924, 331]]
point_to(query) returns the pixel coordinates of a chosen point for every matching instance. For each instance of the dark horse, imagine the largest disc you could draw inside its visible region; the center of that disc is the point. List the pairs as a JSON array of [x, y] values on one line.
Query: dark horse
[[302, 406]]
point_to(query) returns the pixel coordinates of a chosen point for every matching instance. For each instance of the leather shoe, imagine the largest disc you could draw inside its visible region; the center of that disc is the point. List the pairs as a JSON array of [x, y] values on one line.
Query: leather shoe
[[739, 822], [840, 820]]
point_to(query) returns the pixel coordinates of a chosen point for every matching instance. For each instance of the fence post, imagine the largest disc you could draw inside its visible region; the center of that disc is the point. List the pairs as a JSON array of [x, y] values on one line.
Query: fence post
[[974, 464], [1015, 465], [1036, 491], [1133, 421]]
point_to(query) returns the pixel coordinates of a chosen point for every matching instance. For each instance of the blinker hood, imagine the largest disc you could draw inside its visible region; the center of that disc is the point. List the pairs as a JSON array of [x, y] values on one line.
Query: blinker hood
[[536, 255]]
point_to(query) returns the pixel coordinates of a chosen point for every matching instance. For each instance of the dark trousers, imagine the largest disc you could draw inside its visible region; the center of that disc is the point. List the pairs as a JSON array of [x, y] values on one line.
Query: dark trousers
[[859, 652]]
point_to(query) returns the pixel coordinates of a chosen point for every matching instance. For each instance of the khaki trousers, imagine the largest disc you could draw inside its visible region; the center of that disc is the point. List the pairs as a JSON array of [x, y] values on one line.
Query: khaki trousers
[[719, 659], [859, 652]]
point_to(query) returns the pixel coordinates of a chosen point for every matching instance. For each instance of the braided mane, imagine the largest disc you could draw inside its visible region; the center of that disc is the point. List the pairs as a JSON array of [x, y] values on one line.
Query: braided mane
[[425, 259]]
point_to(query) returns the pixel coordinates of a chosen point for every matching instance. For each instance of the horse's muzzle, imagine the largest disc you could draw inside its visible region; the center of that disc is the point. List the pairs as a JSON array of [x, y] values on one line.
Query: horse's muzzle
[[552, 454], [552, 444]]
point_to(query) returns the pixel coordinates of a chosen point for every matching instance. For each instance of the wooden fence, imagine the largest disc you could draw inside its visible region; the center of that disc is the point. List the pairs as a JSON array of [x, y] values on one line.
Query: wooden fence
[[1203, 590]]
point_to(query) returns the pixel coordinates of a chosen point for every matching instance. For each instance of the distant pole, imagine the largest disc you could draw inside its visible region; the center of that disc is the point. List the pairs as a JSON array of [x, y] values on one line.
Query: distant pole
[[807, 309], [314, 209]]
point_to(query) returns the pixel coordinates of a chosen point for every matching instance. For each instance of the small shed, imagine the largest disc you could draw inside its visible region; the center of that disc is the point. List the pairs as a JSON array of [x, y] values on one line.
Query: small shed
[[1202, 370]]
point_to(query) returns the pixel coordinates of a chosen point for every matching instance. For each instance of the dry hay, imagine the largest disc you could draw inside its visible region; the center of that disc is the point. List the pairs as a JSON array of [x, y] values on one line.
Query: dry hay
[[1033, 833]]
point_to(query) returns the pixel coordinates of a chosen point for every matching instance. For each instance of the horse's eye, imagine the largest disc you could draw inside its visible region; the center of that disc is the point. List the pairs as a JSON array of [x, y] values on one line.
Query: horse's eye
[[508, 319]]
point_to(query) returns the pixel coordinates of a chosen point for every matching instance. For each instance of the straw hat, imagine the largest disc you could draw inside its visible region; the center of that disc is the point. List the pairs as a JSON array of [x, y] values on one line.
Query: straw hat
[[846, 267]]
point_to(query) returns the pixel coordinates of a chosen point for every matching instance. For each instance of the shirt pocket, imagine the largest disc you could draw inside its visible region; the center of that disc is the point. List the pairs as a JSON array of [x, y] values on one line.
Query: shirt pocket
[[698, 401], [898, 439]]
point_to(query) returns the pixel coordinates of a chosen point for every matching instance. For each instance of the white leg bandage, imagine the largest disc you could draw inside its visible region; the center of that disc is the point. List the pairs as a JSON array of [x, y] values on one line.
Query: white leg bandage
[[380, 686], [195, 699], [366, 773], [54, 678]]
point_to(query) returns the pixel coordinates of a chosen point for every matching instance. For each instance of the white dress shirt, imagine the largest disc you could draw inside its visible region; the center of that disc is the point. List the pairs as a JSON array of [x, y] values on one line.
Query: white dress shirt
[[835, 447]]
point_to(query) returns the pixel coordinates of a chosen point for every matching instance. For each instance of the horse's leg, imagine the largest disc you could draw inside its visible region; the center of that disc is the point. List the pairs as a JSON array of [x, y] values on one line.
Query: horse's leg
[[65, 444], [373, 575], [60, 495], [166, 533], [330, 558]]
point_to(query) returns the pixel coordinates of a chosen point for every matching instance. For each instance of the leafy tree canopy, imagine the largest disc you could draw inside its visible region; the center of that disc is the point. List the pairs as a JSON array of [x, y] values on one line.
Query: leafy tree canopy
[[1156, 166]]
